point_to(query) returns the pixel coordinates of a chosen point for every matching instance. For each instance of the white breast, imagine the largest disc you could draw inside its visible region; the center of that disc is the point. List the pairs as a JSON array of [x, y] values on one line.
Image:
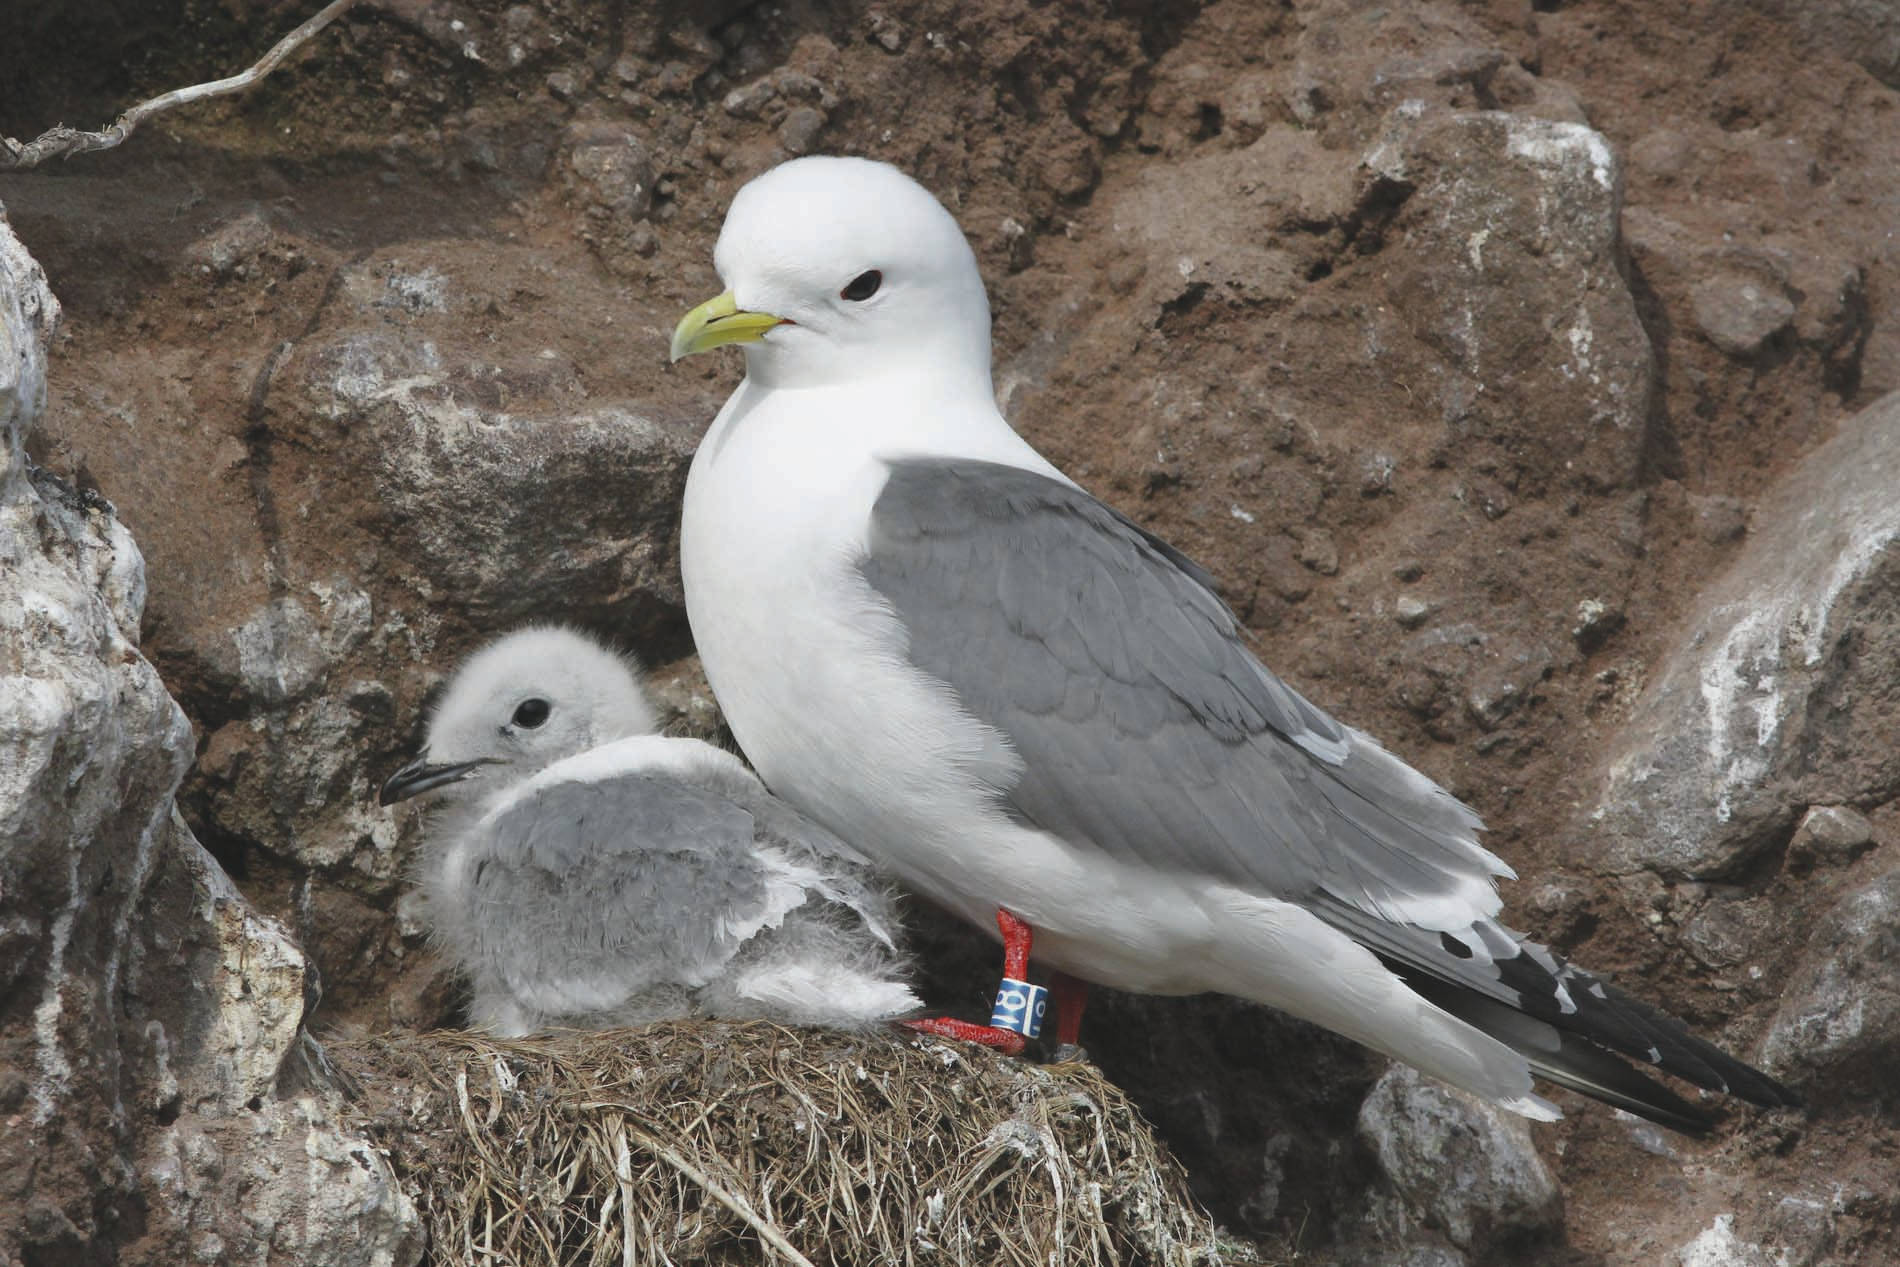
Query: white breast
[[807, 662], [809, 667]]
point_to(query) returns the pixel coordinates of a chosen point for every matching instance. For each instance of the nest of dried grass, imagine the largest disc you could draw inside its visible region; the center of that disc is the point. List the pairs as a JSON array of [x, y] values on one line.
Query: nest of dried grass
[[706, 1142]]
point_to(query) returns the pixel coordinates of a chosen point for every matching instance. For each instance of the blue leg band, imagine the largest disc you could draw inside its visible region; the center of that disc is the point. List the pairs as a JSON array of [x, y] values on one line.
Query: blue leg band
[[1019, 1007]]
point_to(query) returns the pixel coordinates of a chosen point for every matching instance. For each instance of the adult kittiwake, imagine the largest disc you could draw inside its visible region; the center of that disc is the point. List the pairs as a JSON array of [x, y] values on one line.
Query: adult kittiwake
[[1019, 701], [587, 874]]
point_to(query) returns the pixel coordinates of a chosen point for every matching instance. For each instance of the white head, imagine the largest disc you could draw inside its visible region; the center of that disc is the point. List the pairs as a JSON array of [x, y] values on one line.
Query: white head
[[839, 269], [521, 703]]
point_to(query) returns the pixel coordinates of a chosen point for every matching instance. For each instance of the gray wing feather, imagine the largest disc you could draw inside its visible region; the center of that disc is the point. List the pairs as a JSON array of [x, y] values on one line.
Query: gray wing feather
[[835, 871], [1146, 727], [634, 880]]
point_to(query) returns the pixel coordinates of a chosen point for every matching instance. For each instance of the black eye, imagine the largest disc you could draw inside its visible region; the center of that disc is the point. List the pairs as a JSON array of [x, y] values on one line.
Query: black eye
[[531, 713], [863, 286]]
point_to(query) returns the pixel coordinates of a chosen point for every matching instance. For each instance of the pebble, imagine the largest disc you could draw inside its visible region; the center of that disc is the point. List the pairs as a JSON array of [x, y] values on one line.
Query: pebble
[[1740, 314], [801, 128]]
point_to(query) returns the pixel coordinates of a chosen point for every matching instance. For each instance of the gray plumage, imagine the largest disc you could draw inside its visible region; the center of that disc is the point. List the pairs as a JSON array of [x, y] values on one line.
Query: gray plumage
[[1146, 727], [1148, 730], [578, 883]]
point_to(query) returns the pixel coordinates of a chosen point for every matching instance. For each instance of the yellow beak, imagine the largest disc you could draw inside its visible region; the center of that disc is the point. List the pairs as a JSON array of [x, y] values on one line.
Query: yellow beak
[[717, 322]]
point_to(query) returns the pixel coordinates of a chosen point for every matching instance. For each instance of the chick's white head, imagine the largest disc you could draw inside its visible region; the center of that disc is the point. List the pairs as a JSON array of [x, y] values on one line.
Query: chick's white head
[[521, 703]]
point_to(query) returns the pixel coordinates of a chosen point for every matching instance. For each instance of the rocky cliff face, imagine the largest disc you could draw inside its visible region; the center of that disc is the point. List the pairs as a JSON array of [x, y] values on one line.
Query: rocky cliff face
[[152, 1065], [1518, 368]]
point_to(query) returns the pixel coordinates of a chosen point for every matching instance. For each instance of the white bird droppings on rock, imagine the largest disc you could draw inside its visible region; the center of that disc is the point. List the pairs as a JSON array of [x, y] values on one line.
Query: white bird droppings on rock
[[1722, 753], [1718, 1246]]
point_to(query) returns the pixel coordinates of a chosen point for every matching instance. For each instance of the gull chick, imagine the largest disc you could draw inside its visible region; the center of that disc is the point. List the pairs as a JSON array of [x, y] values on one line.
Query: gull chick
[[584, 872], [1031, 709]]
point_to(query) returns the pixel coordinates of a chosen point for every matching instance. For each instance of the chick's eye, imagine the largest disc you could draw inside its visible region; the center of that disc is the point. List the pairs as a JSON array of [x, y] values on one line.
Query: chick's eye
[[863, 286], [530, 713]]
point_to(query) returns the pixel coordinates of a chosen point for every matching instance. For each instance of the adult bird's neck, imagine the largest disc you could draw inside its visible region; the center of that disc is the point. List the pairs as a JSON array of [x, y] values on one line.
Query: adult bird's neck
[[943, 411]]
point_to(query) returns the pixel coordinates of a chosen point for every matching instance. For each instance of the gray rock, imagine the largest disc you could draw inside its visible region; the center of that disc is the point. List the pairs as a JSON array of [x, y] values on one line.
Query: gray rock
[[1456, 1164], [1508, 679], [800, 128], [471, 487], [1765, 705], [1596, 621], [750, 100], [165, 1011], [1739, 314], [28, 315], [1729, 931], [610, 173], [94, 744], [1839, 1021], [1318, 551], [887, 31], [1512, 277], [1830, 835], [1802, 1226], [1647, 1136], [1719, 520], [228, 250]]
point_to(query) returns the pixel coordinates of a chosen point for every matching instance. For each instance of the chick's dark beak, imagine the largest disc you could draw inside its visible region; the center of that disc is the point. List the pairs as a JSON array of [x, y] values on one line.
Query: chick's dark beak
[[419, 776]]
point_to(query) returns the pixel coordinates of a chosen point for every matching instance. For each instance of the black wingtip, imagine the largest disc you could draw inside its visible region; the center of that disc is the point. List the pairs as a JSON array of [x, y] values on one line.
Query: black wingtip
[[1582, 1066], [1583, 1063], [1698, 1060]]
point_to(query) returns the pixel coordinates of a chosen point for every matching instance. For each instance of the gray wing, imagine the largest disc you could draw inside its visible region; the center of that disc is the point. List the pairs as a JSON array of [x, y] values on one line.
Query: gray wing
[[831, 867], [1146, 727], [582, 892]]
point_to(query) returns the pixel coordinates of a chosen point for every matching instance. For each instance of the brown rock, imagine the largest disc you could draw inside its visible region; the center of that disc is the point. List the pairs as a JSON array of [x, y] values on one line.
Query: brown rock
[[1739, 314]]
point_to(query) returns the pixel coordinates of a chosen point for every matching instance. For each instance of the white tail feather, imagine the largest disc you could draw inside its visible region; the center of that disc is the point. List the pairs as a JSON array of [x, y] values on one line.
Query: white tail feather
[[1282, 955]]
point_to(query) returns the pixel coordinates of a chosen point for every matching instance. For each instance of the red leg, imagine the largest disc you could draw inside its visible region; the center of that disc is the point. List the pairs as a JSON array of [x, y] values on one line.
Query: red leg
[[1007, 1041], [1017, 938], [1070, 996]]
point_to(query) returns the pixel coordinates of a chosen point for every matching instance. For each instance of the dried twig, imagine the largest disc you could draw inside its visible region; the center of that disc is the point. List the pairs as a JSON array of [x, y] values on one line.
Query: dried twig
[[64, 142], [768, 1234]]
